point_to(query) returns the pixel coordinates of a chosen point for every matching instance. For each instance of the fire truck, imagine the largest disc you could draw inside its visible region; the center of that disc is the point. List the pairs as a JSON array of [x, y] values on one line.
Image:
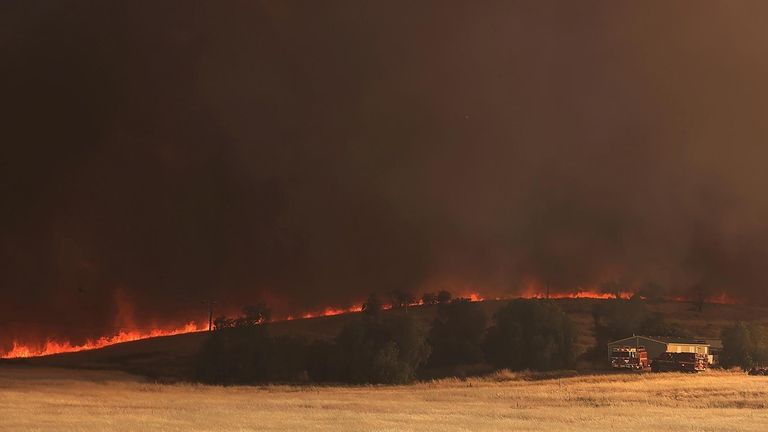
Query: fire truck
[[634, 358], [680, 362]]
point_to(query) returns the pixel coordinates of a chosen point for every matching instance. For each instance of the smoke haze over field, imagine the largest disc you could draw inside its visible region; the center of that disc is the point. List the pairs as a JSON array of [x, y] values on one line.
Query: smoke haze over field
[[308, 153]]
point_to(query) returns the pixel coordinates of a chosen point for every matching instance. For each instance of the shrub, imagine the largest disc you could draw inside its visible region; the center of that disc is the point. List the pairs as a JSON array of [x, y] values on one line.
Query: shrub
[[232, 356], [456, 334], [745, 344], [531, 334], [381, 350]]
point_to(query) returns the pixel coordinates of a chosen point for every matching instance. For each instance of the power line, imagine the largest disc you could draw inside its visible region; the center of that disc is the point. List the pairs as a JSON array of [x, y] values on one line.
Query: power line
[[210, 304]]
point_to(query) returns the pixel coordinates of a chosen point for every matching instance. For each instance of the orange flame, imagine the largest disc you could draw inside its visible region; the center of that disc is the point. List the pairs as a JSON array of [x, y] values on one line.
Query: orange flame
[[20, 350], [55, 347], [329, 311]]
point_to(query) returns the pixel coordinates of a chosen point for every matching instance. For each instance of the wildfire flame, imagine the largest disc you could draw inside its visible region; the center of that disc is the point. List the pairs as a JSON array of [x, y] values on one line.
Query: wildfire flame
[[50, 347], [55, 347]]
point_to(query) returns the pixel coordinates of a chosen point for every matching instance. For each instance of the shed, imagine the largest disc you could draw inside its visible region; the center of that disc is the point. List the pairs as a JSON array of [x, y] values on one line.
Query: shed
[[655, 345]]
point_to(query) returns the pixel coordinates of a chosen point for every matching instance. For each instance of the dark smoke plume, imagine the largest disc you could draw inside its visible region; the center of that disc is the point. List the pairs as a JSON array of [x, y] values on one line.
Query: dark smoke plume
[[156, 154]]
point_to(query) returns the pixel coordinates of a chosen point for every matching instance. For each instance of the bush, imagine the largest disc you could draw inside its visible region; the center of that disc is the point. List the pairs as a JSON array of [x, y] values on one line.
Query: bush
[[233, 356], [380, 351], [247, 355], [456, 334], [323, 362], [744, 345], [286, 359], [531, 334]]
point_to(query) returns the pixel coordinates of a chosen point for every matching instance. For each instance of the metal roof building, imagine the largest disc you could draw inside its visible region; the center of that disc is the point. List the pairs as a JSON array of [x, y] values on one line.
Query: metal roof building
[[655, 345]]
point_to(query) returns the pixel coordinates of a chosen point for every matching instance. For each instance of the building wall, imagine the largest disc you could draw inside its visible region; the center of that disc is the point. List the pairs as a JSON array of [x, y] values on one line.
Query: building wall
[[654, 349], [701, 349]]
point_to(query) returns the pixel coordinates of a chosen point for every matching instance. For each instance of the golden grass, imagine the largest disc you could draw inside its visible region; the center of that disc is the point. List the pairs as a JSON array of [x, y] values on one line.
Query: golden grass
[[36, 399]]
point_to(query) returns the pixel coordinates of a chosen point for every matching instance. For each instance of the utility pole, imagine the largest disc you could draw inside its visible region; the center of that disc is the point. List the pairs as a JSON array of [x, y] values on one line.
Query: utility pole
[[210, 304]]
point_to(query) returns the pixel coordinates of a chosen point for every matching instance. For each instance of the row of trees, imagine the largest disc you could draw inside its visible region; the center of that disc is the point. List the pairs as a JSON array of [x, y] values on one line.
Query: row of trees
[[654, 292], [402, 299], [395, 347]]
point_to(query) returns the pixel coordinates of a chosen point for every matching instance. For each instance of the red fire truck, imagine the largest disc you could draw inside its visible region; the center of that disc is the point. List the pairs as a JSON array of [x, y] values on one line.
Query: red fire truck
[[635, 358], [680, 362]]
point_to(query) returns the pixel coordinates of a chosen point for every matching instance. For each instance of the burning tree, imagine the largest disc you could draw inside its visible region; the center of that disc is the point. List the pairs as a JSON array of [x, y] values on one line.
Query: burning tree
[[223, 322], [252, 315]]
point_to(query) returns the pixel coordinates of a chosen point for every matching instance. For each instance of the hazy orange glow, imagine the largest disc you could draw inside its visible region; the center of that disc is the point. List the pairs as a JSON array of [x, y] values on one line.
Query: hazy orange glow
[[56, 347], [722, 299]]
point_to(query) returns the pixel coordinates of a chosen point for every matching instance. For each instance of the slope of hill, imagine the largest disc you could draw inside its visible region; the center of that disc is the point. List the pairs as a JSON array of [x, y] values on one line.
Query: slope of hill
[[173, 356]]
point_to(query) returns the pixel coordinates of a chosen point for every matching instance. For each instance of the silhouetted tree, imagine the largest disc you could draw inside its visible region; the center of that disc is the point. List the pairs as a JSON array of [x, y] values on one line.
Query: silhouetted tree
[[456, 334], [699, 294], [429, 298], [254, 315], [372, 306], [222, 322], [401, 299], [652, 292], [531, 334], [444, 296], [611, 287]]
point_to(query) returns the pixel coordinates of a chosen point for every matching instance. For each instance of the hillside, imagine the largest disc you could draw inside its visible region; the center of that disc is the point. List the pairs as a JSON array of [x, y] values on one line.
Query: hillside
[[173, 356]]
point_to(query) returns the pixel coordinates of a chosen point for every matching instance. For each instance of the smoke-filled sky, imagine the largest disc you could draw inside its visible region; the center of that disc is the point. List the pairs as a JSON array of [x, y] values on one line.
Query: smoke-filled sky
[[158, 153]]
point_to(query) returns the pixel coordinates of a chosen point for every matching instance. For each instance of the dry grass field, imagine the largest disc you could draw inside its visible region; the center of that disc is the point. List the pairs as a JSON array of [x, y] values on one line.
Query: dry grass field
[[39, 399]]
